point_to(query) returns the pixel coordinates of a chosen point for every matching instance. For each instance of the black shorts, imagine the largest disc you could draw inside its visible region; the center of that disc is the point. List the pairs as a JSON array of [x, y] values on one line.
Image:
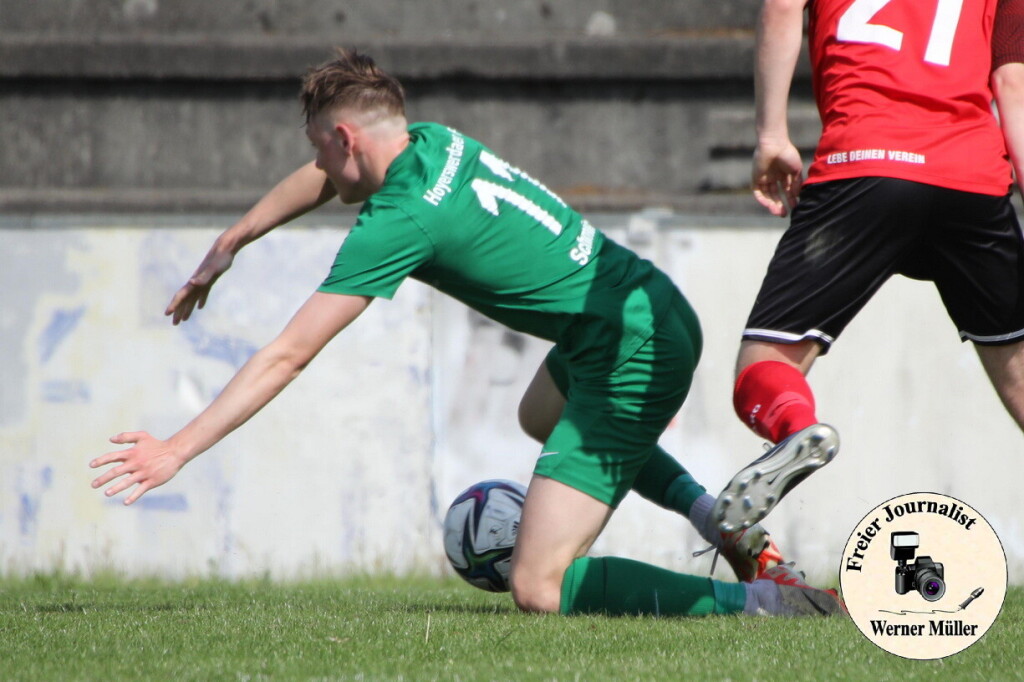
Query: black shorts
[[847, 237]]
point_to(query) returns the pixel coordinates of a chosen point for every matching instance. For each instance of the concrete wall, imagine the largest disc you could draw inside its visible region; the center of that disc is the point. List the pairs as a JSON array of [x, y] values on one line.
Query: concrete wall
[[186, 106], [352, 467], [375, 18]]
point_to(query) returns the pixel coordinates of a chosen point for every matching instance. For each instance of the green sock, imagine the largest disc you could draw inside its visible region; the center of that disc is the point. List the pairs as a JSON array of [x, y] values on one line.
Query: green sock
[[665, 482], [617, 587]]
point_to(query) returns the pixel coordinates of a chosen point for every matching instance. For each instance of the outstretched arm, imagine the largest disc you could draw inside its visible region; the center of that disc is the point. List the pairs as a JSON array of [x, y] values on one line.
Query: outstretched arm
[[151, 462], [299, 193], [777, 170]]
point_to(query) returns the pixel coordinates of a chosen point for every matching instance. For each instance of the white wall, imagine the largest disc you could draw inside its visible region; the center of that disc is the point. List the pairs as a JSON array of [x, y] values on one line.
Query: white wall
[[352, 467]]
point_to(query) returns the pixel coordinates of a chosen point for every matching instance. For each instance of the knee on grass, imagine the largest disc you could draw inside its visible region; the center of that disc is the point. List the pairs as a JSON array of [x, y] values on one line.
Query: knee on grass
[[534, 594]]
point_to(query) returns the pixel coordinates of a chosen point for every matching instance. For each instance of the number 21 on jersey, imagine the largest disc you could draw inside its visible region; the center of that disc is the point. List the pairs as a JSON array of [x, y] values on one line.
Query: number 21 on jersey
[[855, 27]]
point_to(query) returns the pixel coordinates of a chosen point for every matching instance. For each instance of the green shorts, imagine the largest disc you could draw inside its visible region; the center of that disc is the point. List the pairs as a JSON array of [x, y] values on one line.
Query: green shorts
[[612, 423]]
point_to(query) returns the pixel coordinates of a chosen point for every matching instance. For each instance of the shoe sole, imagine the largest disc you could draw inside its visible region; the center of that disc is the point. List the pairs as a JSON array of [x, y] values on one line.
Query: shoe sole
[[753, 493]]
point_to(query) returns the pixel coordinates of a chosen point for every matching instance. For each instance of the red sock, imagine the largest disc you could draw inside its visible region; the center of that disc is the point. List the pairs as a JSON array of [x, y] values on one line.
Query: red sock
[[774, 400]]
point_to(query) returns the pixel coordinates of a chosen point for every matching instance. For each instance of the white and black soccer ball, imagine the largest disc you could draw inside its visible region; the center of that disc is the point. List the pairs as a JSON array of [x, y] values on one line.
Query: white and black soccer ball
[[480, 530]]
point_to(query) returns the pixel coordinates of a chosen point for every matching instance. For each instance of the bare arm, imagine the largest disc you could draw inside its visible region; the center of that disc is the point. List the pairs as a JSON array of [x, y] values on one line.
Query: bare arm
[[299, 193], [1008, 87], [151, 462], [777, 170]]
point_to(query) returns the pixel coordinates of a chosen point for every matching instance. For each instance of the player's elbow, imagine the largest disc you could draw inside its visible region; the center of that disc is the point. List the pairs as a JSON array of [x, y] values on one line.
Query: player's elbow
[[286, 359], [1008, 84]]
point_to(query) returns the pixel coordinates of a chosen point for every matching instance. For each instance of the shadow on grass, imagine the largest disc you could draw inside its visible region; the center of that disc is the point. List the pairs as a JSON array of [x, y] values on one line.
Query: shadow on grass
[[86, 607], [481, 609]]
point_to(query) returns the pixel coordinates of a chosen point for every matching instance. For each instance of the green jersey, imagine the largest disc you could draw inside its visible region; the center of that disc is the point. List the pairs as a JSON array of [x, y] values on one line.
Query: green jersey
[[453, 215]]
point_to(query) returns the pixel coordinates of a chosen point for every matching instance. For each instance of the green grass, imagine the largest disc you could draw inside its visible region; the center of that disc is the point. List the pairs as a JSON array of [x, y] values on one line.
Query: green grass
[[59, 628]]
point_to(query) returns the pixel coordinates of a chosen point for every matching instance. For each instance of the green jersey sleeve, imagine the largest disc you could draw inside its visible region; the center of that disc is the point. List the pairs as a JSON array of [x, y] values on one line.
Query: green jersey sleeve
[[384, 247]]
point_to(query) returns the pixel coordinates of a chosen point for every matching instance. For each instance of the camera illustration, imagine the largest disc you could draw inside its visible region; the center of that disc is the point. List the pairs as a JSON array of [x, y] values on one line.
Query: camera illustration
[[923, 575]]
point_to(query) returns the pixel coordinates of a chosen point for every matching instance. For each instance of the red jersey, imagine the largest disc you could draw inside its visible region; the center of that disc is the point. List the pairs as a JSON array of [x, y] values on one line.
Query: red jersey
[[902, 87]]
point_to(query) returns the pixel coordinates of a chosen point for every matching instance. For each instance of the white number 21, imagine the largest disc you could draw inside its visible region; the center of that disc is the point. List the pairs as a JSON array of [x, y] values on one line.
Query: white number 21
[[854, 27]]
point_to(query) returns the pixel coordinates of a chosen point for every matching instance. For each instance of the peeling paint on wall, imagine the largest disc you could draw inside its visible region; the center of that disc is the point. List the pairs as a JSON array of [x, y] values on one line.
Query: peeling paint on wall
[[61, 324], [362, 454]]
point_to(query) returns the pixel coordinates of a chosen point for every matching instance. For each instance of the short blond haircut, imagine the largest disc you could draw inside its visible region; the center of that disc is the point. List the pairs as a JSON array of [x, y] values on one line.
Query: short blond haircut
[[351, 81]]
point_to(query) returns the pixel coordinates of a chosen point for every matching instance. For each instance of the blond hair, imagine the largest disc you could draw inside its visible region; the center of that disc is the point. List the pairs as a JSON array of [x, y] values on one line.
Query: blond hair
[[352, 81]]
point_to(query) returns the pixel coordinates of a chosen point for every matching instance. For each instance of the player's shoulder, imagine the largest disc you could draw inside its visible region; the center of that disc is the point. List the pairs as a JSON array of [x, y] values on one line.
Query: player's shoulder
[[436, 142], [434, 151]]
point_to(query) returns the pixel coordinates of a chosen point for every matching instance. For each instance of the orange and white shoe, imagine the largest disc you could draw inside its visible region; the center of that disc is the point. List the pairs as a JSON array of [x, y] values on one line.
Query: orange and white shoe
[[797, 598], [750, 552]]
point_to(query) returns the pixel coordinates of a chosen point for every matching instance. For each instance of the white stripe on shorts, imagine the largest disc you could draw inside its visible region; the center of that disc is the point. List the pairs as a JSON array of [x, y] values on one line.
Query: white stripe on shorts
[[995, 340], [787, 337]]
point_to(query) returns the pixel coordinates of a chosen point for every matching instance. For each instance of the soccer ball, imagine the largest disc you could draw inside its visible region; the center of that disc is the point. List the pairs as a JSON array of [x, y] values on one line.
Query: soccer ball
[[480, 530]]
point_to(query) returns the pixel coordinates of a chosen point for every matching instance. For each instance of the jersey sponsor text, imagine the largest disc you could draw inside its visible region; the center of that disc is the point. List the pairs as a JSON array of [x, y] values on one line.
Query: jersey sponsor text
[[443, 185], [875, 155], [584, 244]]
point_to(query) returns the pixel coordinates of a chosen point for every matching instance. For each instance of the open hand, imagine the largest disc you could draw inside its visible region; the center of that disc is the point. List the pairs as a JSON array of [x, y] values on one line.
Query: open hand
[[150, 463]]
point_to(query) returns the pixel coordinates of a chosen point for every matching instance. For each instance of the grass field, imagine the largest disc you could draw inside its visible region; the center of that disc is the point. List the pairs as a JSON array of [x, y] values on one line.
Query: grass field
[[58, 628]]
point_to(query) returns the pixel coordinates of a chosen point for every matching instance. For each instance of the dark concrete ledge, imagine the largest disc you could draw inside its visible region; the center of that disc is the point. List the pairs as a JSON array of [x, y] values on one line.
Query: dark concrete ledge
[[235, 202], [718, 56]]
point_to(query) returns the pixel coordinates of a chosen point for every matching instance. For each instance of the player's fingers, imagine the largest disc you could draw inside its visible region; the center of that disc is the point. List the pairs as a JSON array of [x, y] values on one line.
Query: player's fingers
[[139, 491], [121, 485], [793, 190], [185, 312], [108, 458], [108, 476], [773, 187], [774, 205], [129, 437], [767, 194], [180, 297], [762, 198]]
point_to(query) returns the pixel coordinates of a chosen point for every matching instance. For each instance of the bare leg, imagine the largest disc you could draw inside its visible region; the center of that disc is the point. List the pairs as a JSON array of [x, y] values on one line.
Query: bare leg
[[800, 355], [1005, 368], [559, 524]]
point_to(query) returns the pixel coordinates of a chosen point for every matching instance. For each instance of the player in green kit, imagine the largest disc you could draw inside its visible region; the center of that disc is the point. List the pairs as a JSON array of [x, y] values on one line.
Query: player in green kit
[[441, 208]]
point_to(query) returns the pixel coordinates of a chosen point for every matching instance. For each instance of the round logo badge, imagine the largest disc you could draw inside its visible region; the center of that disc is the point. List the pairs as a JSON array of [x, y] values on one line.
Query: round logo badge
[[923, 575]]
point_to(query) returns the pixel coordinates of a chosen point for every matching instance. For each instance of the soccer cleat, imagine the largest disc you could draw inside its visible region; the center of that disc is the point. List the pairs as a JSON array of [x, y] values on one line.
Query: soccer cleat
[[797, 598], [757, 488], [750, 552]]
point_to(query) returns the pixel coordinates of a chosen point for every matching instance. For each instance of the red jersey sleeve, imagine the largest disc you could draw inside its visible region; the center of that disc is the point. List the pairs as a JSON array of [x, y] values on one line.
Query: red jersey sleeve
[[1008, 34]]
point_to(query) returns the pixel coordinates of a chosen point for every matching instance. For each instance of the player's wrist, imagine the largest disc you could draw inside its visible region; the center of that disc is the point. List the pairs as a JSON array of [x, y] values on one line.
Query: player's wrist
[[773, 138], [182, 449], [231, 241]]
